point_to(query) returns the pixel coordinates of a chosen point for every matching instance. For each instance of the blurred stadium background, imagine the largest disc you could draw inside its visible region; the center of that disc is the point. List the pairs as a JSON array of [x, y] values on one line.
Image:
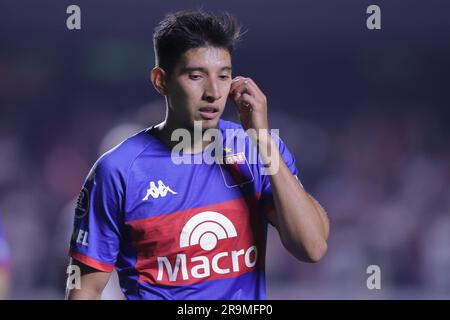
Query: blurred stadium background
[[365, 113]]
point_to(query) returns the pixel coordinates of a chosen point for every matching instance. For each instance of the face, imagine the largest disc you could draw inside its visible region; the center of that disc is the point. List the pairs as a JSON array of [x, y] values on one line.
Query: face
[[199, 86]]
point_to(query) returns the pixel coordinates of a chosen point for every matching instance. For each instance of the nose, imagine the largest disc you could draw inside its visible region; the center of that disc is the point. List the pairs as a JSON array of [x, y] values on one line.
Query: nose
[[212, 92]]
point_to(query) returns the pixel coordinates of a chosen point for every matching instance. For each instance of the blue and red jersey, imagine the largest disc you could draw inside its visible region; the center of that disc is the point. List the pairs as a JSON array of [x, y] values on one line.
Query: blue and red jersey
[[177, 231]]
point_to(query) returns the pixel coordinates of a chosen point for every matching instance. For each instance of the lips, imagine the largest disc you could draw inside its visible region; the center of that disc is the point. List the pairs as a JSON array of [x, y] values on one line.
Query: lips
[[209, 109], [209, 112]]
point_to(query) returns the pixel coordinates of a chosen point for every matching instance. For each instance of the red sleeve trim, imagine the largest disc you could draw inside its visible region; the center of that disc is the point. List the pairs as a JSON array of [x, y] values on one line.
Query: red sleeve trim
[[91, 262]]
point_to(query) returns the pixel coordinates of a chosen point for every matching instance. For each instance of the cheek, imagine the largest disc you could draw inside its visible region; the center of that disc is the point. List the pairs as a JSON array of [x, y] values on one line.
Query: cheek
[[226, 89], [181, 94], [190, 91]]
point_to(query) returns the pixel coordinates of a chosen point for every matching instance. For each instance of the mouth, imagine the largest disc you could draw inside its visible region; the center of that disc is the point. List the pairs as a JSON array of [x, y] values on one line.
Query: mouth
[[208, 113]]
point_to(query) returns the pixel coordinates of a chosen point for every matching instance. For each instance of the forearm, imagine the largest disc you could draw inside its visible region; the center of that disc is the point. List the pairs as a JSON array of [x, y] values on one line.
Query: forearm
[[301, 223], [301, 228]]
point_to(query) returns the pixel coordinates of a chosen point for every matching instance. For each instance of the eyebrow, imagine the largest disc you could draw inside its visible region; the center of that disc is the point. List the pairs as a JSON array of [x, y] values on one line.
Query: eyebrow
[[190, 69]]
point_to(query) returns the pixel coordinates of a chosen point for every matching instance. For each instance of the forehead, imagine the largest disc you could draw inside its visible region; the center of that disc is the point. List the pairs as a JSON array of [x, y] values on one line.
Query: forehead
[[206, 57]]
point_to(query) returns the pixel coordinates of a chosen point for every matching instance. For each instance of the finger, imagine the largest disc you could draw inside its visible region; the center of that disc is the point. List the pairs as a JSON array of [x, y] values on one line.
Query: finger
[[246, 101], [244, 86], [237, 78], [236, 82], [252, 84]]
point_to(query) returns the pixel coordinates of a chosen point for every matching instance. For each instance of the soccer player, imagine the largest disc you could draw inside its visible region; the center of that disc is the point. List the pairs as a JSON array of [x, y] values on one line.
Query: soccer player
[[4, 265], [187, 229]]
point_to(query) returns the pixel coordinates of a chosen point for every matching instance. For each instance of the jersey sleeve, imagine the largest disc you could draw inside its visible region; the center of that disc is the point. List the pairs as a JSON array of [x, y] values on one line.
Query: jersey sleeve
[[98, 218], [266, 199]]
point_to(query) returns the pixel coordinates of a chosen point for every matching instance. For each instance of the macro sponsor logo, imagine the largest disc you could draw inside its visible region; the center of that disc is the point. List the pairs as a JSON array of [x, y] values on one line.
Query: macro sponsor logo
[[206, 229]]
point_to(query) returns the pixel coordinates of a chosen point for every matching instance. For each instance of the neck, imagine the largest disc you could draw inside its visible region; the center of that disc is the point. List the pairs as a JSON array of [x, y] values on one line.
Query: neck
[[194, 143]]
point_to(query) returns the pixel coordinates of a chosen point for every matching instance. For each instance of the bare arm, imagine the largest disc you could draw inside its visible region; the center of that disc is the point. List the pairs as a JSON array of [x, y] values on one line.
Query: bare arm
[[323, 216], [301, 222], [92, 283], [299, 219], [4, 283]]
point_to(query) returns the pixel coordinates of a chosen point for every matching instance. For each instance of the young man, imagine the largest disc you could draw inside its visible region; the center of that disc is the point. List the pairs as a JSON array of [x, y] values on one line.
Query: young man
[[194, 230]]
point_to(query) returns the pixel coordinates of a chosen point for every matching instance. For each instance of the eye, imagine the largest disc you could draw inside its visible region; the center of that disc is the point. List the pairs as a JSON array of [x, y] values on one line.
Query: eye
[[195, 76], [224, 77]]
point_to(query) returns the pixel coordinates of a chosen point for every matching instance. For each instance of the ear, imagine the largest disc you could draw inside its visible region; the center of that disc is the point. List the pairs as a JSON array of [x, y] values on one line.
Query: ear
[[159, 80]]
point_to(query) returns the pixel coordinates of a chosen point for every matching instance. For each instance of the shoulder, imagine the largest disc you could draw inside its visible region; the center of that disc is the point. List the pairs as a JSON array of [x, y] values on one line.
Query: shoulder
[[118, 160]]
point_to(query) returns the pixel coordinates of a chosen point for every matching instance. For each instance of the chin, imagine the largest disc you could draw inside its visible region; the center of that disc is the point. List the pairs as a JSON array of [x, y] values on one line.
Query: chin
[[209, 124]]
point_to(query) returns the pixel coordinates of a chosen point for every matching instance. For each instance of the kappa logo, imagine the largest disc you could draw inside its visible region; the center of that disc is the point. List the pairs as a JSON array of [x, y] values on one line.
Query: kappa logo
[[157, 191]]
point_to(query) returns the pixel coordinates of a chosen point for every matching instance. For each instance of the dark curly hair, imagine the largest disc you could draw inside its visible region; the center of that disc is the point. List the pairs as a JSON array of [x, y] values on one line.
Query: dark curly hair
[[187, 29]]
